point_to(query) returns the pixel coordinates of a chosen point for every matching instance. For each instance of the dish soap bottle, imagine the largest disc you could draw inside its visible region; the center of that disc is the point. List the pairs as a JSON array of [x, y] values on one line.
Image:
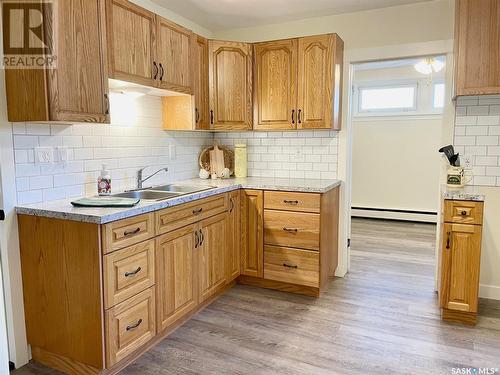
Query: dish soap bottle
[[104, 182]]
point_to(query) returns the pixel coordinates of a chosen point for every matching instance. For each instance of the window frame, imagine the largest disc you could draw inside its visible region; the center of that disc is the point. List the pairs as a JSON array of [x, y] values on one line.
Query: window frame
[[434, 84], [387, 111]]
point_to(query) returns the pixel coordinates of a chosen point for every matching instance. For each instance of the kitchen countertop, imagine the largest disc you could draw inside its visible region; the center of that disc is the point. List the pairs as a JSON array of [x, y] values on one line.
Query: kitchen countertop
[[466, 193], [101, 215]]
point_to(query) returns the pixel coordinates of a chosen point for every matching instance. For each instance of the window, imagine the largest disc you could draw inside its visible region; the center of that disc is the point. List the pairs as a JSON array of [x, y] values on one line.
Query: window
[[387, 98], [438, 95]]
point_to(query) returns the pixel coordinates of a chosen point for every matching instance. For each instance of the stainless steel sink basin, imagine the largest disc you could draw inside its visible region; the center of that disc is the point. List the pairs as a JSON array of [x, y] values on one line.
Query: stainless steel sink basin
[[147, 195], [181, 189]]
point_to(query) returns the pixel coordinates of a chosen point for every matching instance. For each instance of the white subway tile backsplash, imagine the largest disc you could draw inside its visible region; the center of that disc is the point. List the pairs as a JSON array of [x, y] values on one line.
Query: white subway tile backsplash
[[489, 140], [488, 120]]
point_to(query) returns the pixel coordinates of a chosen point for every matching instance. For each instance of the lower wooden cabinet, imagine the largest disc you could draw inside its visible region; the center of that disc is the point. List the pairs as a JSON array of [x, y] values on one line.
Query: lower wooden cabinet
[[176, 275], [233, 257], [252, 243], [460, 262]]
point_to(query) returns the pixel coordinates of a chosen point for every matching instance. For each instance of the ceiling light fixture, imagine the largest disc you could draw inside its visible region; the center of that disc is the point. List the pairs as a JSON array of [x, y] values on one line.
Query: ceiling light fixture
[[134, 92], [429, 66]]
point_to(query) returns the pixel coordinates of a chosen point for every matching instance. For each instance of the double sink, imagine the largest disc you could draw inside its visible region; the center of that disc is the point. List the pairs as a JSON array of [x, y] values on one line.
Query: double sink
[[159, 193]]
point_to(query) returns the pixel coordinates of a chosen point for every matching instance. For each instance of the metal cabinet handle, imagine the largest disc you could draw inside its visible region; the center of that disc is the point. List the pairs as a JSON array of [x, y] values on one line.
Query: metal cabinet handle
[[106, 104], [290, 266], [448, 239], [197, 115], [231, 205], [211, 116], [161, 72], [291, 230], [133, 273], [202, 237], [197, 211], [290, 202], [131, 232], [293, 116], [196, 239], [299, 117], [464, 213], [130, 328], [155, 70]]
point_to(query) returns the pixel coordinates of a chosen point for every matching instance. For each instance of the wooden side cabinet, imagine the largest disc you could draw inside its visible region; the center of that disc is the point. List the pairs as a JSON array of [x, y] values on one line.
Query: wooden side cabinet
[[77, 89], [460, 260], [477, 47], [252, 233]]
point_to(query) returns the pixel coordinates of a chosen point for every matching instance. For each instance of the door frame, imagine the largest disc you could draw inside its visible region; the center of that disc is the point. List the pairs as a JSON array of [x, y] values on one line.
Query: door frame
[[352, 57]]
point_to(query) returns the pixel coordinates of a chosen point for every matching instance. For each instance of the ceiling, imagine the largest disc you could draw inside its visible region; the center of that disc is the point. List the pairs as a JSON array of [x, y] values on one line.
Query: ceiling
[[228, 14]]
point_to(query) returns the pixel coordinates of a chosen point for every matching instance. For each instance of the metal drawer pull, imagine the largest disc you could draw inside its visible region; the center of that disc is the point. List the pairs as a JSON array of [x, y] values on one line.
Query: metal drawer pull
[[448, 241], [197, 211], [197, 239], [290, 202], [131, 232], [289, 266], [291, 230], [464, 213], [130, 328], [202, 236], [133, 273]]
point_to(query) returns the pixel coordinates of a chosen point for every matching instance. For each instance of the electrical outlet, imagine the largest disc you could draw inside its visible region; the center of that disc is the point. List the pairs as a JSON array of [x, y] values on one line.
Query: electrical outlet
[[61, 153], [172, 152], [466, 161], [44, 155]]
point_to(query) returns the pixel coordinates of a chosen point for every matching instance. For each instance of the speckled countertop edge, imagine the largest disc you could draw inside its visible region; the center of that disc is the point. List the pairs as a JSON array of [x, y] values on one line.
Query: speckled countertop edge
[[467, 193], [102, 215]]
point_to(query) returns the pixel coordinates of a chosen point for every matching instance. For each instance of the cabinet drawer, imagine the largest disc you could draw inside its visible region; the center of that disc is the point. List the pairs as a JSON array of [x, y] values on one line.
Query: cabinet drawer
[[290, 201], [128, 272], [126, 232], [463, 212], [130, 325], [291, 266], [182, 215], [291, 229]]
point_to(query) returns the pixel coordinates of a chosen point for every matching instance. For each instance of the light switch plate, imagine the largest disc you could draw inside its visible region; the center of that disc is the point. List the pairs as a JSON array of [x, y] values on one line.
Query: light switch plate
[[44, 155]]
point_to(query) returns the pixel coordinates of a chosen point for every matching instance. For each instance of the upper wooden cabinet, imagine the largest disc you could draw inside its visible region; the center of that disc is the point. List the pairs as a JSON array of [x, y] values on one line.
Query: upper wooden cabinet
[[298, 83], [477, 47], [77, 90], [230, 85], [201, 82], [174, 56], [319, 84], [275, 95], [147, 49], [131, 43]]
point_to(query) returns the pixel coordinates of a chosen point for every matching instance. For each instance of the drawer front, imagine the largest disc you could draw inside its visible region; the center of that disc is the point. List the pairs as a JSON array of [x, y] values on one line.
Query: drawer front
[[463, 212], [130, 325], [291, 229], [126, 232], [291, 266], [128, 272], [179, 216], [290, 201]]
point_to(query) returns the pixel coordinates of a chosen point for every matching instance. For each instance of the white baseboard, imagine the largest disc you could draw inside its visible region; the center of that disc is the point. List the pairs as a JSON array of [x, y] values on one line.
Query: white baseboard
[[391, 215], [489, 291]]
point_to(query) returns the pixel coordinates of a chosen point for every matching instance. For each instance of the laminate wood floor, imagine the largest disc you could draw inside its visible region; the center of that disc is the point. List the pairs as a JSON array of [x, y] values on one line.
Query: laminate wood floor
[[381, 319]]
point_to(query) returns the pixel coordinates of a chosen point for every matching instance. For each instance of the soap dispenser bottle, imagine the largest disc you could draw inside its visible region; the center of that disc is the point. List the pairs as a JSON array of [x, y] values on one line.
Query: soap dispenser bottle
[[104, 182]]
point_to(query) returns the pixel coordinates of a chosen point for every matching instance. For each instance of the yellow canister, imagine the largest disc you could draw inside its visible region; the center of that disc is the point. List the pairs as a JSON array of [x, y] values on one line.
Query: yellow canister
[[240, 160]]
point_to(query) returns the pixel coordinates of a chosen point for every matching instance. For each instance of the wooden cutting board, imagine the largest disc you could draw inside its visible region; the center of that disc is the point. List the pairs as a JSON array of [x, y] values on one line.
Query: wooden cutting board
[[216, 161]]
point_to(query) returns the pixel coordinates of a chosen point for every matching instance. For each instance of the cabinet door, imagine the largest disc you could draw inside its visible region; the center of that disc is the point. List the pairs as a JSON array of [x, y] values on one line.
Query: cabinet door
[[175, 275], [201, 82], [252, 233], [78, 87], [233, 263], [275, 96], [319, 82], [477, 47], [230, 84], [131, 43], [211, 255], [174, 54], [461, 257]]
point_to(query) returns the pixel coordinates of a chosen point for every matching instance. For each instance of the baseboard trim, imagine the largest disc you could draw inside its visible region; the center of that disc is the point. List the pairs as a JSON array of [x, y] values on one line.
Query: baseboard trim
[[394, 214], [489, 291]]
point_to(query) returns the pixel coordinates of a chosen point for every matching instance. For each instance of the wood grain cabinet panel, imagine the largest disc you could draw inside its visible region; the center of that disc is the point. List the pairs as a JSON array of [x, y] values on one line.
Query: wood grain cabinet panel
[[252, 235], [230, 85], [292, 229], [319, 82], [212, 253], [176, 275], [275, 96], [77, 89], [201, 83], [131, 43], [173, 56], [130, 325], [128, 272], [119, 234], [292, 201], [477, 47], [233, 233], [463, 212]]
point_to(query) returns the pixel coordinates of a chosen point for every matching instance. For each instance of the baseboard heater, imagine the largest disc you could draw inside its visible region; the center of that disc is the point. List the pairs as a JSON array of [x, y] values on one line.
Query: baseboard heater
[[394, 214]]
